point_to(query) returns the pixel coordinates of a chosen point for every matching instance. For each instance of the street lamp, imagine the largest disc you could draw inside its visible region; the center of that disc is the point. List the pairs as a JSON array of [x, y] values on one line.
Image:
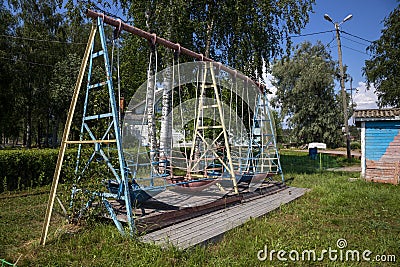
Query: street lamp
[[345, 118]]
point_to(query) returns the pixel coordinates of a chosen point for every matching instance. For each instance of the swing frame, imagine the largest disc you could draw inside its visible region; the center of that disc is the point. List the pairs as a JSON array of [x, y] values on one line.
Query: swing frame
[[122, 178]]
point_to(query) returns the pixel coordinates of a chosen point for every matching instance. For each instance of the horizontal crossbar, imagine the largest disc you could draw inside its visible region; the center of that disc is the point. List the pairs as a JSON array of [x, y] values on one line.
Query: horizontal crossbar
[[91, 141], [98, 116], [97, 54], [210, 127], [97, 85], [210, 106]]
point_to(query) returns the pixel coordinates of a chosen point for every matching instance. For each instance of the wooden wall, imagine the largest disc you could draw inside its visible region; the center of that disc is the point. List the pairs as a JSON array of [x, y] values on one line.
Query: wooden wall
[[382, 151]]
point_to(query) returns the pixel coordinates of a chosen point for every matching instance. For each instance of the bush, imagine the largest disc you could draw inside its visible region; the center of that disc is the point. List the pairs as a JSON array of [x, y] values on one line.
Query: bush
[[355, 145], [21, 169]]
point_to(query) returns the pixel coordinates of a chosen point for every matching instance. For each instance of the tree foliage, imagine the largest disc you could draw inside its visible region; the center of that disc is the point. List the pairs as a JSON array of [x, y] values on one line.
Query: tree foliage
[[36, 37], [43, 42], [241, 34], [383, 69], [7, 108], [305, 93]]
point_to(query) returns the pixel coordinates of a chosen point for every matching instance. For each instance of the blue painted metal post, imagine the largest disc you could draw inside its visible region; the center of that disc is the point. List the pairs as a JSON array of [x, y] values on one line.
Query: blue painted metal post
[[117, 132], [84, 114], [119, 172]]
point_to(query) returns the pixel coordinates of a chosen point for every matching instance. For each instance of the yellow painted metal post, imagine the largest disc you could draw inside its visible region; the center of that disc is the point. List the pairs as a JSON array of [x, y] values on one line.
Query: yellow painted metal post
[[221, 116], [229, 165], [197, 122], [64, 141]]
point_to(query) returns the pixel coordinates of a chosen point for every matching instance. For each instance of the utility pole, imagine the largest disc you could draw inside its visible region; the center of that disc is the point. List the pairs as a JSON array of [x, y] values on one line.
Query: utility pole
[[344, 96], [351, 93]]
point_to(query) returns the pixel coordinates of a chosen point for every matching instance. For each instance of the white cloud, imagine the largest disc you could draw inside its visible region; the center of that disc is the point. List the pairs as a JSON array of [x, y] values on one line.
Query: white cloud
[[267, 77], [365, 99], [267, 80]]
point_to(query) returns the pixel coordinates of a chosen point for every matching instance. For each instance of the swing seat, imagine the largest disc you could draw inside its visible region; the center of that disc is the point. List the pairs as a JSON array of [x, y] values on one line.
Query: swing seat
[[182, 181], [137, 195], [251, 177]]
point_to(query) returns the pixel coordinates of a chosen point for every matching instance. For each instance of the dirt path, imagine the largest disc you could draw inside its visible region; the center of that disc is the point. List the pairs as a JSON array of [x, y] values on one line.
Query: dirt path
[[354, 154], [356, 168], [341, 153]]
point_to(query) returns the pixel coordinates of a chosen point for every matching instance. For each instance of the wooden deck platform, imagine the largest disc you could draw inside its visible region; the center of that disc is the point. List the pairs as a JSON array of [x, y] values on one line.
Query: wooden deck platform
[[209, 226], [155, 213]]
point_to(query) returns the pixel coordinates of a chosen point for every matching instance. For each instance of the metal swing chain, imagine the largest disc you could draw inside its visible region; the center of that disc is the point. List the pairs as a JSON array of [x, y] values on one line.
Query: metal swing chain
[[177, 54], [145, 108]]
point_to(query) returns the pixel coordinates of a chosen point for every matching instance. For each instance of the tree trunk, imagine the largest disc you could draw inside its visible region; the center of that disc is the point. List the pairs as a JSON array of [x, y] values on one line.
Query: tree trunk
[[28, 128], [24, 134], [210, 26], [46, 138], [15, 137], [54, 139], [39, 134]]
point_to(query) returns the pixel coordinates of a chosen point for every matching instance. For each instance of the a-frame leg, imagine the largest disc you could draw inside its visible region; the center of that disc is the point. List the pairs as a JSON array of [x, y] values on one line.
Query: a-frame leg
[[64, 140]]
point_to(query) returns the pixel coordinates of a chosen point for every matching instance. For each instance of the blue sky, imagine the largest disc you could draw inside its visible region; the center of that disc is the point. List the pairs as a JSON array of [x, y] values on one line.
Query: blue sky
[[367, 23]]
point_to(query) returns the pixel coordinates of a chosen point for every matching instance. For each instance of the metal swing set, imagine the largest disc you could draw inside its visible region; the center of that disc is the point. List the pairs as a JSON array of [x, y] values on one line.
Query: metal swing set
[[220, 140]]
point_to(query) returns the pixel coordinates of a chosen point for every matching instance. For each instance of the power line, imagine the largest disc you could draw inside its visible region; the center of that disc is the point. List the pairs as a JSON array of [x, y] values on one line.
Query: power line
[[316, 33], [358, 37], [328, 44], [354, 41], [39, 40], [356, 50], [359, 51], [308, 34], [29, 62]]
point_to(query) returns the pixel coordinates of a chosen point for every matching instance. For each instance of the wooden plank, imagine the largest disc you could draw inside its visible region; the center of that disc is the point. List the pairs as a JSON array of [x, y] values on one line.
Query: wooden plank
[[158, 215], [209, 226], [225, 213], [227, 218], [216, 230], [166, 218], [383, 171], [232, 218], [193, 224]]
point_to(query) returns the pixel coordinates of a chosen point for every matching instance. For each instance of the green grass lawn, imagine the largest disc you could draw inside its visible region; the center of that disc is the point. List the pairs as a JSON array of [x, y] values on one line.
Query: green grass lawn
[[366, 214]]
